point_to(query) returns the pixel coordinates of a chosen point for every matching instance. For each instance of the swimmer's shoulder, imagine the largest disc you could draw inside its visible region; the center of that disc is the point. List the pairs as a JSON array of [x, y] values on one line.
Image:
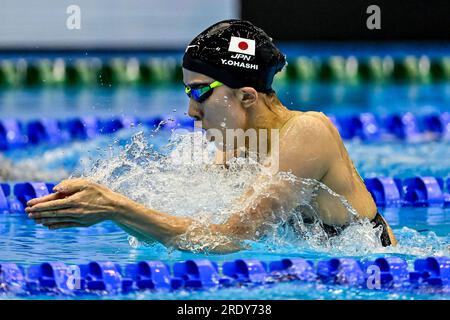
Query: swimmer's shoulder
[[306, 147], [309, 120]]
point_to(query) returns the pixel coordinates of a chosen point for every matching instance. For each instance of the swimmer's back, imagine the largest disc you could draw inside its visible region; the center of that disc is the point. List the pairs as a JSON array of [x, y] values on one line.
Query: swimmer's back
[[341, 175]]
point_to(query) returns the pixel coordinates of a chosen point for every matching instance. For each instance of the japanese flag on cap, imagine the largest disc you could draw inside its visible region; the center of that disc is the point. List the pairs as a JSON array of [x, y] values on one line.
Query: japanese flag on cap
[[242, 45]]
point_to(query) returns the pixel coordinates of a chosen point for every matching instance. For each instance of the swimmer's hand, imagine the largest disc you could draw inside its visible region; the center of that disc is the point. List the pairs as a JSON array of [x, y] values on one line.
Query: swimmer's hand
[[75, 203]]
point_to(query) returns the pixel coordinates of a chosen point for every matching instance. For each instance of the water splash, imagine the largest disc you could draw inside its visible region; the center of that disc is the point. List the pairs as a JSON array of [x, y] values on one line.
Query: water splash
[[174, 181]]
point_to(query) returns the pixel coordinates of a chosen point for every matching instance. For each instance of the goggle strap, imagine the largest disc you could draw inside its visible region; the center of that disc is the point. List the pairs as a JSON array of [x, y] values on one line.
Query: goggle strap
[[215, 84]]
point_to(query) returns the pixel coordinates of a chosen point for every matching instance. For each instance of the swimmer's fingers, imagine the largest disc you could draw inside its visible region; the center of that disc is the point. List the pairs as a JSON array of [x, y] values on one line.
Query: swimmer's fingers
[[64, 188], [49, 221], [52, 205], [50, 197], [61, 213], [71, 186], [64, 225]]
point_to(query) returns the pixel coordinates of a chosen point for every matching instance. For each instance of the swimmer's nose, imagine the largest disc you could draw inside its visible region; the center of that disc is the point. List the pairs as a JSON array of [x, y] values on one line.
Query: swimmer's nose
[[194, 111]]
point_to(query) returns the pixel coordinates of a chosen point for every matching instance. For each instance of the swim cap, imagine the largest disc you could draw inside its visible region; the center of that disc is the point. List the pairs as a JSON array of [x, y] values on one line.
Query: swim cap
[[236, 53]]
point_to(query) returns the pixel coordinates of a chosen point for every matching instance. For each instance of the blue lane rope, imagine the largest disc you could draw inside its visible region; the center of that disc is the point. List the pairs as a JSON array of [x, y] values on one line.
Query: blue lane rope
[[365, 126], [386, 192], [431, 275]]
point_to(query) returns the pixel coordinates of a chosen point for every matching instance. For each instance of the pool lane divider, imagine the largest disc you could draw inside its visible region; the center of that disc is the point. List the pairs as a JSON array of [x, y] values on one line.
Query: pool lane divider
[[425, 191], [431, 275], [367, 127], [120, 71], [15, 134], [15, 200]]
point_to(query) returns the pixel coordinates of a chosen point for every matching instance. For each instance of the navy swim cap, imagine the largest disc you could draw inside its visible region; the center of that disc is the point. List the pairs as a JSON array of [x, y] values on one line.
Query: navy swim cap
[[236, 53]]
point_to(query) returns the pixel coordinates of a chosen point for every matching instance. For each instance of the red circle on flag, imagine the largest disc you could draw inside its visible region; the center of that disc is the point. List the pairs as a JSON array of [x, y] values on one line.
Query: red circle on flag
[[243, 45]]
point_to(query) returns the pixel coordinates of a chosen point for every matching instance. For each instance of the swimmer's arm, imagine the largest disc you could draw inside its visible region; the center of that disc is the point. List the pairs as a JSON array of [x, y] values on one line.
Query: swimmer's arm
[[136, 234], [173, 231]]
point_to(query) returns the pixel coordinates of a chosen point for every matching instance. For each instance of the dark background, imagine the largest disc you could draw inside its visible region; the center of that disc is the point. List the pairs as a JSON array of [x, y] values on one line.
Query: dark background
[[333, 20]]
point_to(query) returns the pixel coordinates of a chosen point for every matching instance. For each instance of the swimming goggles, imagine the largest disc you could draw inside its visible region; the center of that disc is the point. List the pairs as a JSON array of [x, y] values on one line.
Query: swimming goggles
[[201, 92]]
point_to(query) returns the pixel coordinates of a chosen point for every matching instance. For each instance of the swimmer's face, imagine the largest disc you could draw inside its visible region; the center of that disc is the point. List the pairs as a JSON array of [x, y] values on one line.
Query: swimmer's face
[[223, 109]]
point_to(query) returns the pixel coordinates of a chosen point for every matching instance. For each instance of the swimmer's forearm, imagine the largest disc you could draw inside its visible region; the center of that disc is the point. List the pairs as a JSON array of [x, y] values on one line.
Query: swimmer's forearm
[[148, 224], [138, 235], [151, 223]]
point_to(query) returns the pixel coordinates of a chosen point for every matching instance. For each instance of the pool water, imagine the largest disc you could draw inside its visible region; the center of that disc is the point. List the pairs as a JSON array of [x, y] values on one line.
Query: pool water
[[421, 232]]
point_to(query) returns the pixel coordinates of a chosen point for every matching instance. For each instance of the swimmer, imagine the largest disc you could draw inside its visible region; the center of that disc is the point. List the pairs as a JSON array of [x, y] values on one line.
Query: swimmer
[[228, 71]]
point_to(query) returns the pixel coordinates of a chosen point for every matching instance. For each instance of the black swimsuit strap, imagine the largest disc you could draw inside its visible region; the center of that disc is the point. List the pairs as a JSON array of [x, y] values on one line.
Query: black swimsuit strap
[[378, 220]]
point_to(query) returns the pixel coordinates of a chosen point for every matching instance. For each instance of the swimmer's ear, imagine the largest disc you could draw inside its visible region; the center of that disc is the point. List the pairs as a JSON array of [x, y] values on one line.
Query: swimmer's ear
[[247, 95]]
